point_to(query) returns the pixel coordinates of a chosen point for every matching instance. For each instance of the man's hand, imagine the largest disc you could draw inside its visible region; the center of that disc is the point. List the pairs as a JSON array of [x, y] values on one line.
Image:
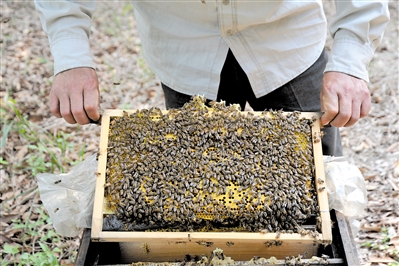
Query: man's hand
[[344, 99], [75, 96]]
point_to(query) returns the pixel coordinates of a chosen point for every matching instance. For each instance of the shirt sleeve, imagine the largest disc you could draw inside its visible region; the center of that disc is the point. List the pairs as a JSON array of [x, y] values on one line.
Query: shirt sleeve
[[357, 30], [67, 25]]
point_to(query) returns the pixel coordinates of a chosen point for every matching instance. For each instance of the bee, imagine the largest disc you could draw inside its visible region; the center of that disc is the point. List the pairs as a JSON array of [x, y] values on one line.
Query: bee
[[145, 248], [314, 234], [268, 244], [229, 243], [270, 228], [204, 243]]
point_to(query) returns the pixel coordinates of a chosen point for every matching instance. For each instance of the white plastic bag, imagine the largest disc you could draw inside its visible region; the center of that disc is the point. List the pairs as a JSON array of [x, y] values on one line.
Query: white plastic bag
[[346, 189], [69, 198]]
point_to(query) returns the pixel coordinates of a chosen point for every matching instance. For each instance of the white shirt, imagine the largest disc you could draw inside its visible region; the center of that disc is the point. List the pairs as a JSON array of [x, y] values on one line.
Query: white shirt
[[185, 42]]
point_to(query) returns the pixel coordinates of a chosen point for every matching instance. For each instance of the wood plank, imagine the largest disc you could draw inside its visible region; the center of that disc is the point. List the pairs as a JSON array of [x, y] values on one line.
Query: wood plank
[[161, 251], [351, 255], [198, 236], [83, 248], [119, 112], [335, 262], [97, 220], [320, 182]]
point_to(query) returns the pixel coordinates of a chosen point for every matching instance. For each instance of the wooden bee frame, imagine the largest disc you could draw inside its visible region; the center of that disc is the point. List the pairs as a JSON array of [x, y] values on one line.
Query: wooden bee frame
[[172, 246]]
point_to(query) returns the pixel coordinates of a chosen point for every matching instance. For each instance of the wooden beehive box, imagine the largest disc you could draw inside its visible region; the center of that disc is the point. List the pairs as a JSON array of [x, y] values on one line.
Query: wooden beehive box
[[172, 246]]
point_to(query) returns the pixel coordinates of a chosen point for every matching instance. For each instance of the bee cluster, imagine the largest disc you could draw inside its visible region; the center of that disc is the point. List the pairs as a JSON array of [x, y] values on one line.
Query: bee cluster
[[210, 167]]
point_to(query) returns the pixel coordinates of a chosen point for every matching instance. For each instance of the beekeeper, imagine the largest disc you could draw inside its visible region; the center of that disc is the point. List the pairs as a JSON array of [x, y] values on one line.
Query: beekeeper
[[269, 54]]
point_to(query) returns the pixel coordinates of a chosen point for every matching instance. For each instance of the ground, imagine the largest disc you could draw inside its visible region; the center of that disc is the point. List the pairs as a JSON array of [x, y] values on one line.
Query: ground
[[33, 141]]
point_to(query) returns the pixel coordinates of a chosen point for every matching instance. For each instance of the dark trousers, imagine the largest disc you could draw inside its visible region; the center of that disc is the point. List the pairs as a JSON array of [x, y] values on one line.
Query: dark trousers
[[300, 94]]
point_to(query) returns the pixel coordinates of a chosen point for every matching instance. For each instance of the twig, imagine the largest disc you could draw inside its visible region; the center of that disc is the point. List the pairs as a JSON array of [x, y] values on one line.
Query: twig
[[26, 223], [22, 194], [37, 236], [28, 127]]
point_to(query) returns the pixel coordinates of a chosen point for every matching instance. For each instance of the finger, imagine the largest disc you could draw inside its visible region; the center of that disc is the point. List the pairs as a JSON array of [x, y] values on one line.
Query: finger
[[361, 104], [344, 113], [77, 108], [54, 105], [65, 109], [355, 115], [91, 99], [365, 106], [329, 104]]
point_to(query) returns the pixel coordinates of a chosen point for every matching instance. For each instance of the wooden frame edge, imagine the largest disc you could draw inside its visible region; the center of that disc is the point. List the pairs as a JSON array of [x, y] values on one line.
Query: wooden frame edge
[[110, 236], [98, 235], [97, 220], [320, 182]]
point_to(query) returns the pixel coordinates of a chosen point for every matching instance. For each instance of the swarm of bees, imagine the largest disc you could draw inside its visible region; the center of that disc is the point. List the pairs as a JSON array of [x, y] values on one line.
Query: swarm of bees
[[210, 167]]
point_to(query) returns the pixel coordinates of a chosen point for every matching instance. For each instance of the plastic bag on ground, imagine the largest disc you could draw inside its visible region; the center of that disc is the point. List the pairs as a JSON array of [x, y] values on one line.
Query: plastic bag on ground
[[69, 197], [346, 189]]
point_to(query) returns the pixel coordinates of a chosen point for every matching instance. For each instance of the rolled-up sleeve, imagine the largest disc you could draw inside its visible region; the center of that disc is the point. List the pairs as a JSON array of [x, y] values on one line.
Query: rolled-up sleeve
[[67, 25], [357, 30]]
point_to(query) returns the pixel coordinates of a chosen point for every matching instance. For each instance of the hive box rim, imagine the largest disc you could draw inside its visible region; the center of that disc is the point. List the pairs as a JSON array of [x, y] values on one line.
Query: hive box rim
[[126, 236]]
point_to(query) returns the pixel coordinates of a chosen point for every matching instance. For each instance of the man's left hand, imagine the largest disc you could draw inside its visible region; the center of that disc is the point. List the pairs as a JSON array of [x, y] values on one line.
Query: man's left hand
[[344, 99]]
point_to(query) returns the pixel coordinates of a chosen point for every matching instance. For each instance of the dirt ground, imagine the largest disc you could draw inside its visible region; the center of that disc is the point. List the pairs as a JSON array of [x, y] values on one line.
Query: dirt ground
[[26, 76]]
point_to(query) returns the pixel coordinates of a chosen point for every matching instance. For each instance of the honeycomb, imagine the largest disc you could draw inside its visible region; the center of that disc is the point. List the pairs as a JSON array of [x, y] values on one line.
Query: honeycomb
[[210, 168]]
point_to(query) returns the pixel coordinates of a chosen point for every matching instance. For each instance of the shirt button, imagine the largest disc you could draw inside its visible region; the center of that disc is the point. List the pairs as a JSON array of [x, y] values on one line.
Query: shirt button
[[226, 2], [229, 32]]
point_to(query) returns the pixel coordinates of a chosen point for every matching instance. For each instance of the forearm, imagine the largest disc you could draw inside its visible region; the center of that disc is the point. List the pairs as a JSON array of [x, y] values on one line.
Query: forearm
[[67, 25], [357, 30]]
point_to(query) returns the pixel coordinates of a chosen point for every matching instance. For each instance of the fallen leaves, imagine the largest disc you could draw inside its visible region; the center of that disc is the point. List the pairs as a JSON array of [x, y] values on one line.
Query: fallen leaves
[[26, 75], [396, 170]]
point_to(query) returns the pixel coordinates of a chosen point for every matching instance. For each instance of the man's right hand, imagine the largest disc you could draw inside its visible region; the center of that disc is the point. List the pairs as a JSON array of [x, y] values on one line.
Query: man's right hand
[[75, 95]]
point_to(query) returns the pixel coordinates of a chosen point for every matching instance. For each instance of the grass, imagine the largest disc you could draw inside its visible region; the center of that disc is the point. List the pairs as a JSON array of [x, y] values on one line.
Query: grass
[[44, 253], [34, 241], [41, 144], [384, 246]]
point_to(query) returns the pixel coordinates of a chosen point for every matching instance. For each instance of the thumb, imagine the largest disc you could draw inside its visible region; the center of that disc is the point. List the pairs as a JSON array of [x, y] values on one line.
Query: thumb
[[330, 107]]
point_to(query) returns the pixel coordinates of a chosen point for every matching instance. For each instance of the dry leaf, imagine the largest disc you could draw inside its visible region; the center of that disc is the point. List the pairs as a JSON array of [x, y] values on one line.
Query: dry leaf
[[370, 177], [370, 142], [395, 241], [370, 187], [385, 215], [9, 217], [371, 227], [396, 169], [393, 221], [7, 195], [12, 232], [22, 208], [4, 239], [27, 197], [394, 184], [3, 226], [21, 60], [363, 169], [393, 147], [381, 260]]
